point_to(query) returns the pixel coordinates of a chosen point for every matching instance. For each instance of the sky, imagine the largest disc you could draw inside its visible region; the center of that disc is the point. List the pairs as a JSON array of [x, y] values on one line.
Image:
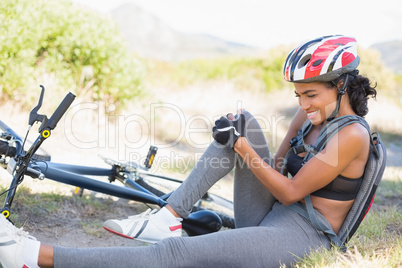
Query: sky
[[267, 23]]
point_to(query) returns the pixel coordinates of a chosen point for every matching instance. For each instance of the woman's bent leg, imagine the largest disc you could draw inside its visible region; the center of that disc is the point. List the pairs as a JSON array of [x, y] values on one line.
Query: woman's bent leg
[[252, 201], [215, 163]]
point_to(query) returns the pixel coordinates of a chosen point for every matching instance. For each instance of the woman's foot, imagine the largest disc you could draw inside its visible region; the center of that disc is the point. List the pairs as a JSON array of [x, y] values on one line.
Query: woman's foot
[[150, 226], [17, 248]]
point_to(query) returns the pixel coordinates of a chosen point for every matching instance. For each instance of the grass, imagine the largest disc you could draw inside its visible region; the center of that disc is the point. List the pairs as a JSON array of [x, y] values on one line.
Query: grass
[[32, 206], [389, 189], [393, 137], [92, 228]]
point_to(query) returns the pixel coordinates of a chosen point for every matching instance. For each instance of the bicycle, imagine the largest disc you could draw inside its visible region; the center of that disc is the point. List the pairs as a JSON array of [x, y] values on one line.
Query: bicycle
[[136, 179]]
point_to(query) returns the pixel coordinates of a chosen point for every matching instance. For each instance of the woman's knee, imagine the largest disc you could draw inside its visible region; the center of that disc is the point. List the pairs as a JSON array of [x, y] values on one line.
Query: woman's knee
[[254, 133]]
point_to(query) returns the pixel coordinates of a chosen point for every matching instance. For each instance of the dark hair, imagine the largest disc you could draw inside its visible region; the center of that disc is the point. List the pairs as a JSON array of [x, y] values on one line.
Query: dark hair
[[359, 90]]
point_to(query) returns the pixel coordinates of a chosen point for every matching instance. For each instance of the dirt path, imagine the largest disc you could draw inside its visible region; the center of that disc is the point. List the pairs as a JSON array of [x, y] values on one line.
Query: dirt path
[[72, 226]]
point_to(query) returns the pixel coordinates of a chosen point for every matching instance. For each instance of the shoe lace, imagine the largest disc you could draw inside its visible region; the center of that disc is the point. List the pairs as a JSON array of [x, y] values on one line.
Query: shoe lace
[[16, 233], [145, 214]]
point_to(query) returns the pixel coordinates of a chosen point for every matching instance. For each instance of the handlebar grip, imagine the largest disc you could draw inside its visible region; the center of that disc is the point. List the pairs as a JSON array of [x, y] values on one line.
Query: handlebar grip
[[61, 109]]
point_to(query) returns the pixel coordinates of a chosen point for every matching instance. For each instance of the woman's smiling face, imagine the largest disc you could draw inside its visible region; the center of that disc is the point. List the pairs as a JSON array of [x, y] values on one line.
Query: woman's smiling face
[[317, 100]]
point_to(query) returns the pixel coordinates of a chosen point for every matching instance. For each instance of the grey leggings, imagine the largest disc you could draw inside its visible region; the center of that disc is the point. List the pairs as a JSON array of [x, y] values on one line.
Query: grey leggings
[[267, 233]]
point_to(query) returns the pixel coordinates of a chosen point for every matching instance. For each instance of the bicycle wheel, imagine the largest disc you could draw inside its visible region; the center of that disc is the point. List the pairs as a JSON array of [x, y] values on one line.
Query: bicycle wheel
[[8, 150], [162, 186]]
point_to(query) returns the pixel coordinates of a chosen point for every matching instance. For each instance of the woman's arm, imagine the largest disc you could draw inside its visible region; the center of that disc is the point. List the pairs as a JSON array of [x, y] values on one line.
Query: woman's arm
[[350, 145], [296, 124]]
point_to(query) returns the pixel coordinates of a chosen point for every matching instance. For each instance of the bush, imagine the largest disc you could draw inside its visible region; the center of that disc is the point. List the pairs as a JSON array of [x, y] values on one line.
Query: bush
[[376, 70], [76, 50], [263, 72]]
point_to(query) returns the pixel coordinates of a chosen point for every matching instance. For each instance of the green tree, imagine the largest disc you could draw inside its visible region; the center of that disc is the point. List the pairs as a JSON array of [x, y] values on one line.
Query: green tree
[[79, 50]]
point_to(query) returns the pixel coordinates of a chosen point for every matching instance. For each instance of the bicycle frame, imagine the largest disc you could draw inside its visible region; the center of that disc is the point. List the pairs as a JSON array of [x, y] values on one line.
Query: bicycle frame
[[76, 175], [73, 175]]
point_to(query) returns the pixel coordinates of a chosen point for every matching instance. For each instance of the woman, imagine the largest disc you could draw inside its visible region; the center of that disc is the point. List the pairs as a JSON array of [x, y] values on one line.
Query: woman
[[268, 233]]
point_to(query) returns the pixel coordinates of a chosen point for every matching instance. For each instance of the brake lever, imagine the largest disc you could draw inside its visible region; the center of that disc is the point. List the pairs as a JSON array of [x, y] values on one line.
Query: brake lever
[[33, 115]]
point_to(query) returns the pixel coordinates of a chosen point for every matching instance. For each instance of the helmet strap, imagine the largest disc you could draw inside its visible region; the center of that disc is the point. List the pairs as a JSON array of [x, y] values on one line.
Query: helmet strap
[[335, 112], [341, 92]]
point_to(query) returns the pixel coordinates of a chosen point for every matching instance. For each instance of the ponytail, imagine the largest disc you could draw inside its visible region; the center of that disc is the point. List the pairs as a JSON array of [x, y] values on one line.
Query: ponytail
[[359, 91]]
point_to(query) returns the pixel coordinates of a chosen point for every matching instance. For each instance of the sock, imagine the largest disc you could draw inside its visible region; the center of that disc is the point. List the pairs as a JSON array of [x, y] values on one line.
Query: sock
[[30, 253], [166, 215]]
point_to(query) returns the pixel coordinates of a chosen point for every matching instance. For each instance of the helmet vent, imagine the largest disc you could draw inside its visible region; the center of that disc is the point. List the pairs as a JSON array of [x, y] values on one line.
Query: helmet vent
[[303, 62], [317, 62]]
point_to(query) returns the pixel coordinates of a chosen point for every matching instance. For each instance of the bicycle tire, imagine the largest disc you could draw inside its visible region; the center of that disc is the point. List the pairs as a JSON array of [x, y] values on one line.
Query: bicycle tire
[[42, 157], [227, 221], [6, 149], [11, 151]]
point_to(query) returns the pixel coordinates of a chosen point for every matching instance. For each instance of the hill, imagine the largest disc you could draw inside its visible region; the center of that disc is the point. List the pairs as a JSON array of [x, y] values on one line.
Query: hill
[[391, 54], [148, 36]]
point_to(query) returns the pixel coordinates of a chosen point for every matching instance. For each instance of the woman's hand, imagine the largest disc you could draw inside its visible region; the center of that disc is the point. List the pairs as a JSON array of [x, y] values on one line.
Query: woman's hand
[[228, 129], [230, 116]]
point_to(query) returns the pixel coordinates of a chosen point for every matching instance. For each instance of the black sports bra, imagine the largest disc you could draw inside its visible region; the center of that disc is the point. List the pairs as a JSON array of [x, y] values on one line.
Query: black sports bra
[[341, 188]]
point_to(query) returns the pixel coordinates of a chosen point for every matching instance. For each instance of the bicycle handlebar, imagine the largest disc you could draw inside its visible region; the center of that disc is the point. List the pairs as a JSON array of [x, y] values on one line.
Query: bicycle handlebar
[[61, 109], [19, 165]]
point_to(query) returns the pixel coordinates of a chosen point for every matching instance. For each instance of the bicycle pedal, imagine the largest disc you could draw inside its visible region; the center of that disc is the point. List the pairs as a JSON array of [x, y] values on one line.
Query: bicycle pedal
[[151, 156]]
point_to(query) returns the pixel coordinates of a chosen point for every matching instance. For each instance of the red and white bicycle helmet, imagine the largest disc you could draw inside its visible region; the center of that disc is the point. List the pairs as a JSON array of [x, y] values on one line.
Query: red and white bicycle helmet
[[322, 59]]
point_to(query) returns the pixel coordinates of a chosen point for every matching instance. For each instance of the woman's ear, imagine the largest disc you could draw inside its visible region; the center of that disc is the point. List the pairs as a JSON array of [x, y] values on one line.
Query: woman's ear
[[340, 84]]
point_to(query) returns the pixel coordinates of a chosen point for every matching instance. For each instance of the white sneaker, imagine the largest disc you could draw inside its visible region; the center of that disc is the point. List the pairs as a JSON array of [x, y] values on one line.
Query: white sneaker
[[12, 243], [149, 226]]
